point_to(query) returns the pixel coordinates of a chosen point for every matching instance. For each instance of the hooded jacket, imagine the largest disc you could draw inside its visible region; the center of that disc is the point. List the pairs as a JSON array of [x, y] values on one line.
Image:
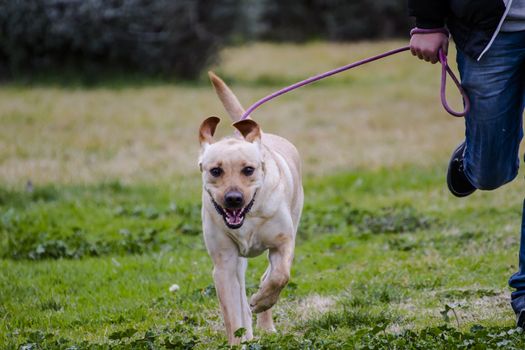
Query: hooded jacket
[[473, 23]]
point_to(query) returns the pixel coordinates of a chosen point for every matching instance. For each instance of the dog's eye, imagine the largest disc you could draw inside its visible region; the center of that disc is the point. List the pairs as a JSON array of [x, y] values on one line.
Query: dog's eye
[[216, 172], [248, 171]]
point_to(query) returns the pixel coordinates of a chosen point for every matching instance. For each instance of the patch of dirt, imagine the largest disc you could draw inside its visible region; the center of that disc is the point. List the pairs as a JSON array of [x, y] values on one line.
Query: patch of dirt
[[290, 313]]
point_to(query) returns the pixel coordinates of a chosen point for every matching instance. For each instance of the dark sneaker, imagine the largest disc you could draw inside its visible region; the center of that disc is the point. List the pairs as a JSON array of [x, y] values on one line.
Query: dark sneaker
[[520, 319], [457, 181], [518, 305]]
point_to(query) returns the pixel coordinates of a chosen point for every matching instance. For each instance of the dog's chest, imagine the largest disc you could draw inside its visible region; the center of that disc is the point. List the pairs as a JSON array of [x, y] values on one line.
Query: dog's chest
[[249, 241]]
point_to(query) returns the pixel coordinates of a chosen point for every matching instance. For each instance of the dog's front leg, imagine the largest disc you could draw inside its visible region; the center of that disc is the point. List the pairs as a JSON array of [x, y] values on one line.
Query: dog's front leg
[[227, 272], [246, 313], [276, 278]]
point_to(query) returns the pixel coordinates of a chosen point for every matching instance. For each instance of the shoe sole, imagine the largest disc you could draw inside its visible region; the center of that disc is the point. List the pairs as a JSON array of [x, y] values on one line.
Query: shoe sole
[[449, 178], [520, 320]]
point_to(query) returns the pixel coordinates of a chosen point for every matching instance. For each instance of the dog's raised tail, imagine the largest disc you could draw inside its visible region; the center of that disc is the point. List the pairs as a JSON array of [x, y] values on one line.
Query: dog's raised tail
[[227, 97]]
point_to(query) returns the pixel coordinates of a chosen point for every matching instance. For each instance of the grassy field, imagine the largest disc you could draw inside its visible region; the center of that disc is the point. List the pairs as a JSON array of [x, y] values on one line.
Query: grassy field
[[100, 212]]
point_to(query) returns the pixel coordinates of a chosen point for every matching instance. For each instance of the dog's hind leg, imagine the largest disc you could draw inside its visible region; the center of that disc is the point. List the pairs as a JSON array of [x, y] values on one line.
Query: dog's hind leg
[[264, 319]]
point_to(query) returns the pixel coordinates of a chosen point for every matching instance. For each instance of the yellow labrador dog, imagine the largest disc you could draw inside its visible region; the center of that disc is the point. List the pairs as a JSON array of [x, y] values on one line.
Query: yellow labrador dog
[[252, 200]]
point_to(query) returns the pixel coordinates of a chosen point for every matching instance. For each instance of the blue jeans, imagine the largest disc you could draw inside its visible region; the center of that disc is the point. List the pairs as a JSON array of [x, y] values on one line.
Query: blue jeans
[[496, 88]]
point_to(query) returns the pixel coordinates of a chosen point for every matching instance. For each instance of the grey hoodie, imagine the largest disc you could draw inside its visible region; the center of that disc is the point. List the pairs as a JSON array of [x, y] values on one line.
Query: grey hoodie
[[515, 20]]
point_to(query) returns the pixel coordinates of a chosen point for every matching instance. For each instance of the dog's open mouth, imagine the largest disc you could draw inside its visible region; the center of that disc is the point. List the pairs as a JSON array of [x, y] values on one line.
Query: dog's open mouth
[[233, 218]]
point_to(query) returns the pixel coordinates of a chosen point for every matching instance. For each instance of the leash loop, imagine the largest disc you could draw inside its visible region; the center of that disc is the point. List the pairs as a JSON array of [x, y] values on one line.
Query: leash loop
[[444, 70]]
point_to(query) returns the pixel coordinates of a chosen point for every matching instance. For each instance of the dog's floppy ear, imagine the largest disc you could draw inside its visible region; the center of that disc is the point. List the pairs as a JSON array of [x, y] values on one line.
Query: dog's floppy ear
[[249, 129], [207, 130]]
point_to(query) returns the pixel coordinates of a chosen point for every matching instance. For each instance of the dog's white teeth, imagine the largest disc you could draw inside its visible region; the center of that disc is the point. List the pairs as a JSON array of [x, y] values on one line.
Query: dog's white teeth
[[234, 217], [233, 213]]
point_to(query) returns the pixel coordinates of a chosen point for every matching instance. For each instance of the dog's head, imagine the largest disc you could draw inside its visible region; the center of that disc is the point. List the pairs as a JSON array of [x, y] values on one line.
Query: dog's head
[[232, 169]]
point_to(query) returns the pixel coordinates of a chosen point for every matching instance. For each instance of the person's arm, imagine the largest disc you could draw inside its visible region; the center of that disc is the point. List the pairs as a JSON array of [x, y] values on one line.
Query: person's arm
[[429, 14]]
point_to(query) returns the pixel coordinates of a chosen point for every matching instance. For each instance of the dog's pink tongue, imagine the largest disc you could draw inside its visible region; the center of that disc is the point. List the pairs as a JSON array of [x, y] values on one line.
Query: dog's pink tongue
[[234, 216]]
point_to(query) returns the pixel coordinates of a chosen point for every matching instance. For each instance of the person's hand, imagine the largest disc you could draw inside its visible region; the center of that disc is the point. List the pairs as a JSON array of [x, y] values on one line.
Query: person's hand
[[426, 46]]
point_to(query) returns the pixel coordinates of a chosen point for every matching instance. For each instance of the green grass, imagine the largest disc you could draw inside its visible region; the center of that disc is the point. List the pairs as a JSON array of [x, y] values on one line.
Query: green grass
[[100, 212], [377, 256], [384, 114]]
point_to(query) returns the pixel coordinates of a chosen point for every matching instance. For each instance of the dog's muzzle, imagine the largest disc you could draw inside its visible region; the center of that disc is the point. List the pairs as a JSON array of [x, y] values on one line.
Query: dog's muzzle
[[234, 217]]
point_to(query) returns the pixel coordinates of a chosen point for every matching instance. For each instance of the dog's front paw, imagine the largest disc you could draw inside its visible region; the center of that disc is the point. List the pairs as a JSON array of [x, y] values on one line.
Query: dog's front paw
[[260, 302]]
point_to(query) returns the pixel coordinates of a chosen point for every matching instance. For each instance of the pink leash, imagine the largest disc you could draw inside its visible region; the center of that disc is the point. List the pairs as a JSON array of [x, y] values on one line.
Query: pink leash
[[444, 70]]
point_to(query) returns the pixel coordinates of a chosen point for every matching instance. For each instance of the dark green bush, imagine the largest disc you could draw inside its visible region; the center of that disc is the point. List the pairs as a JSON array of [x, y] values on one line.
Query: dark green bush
[[334, 19], [172, 37]]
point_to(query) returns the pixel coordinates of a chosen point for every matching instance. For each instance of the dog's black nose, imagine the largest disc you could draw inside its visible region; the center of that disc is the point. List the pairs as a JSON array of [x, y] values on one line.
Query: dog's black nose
[[233, 200]]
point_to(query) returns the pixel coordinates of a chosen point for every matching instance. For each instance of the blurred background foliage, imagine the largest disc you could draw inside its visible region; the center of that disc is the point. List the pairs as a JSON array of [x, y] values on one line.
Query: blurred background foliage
[[337, 20], [173, 38]]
